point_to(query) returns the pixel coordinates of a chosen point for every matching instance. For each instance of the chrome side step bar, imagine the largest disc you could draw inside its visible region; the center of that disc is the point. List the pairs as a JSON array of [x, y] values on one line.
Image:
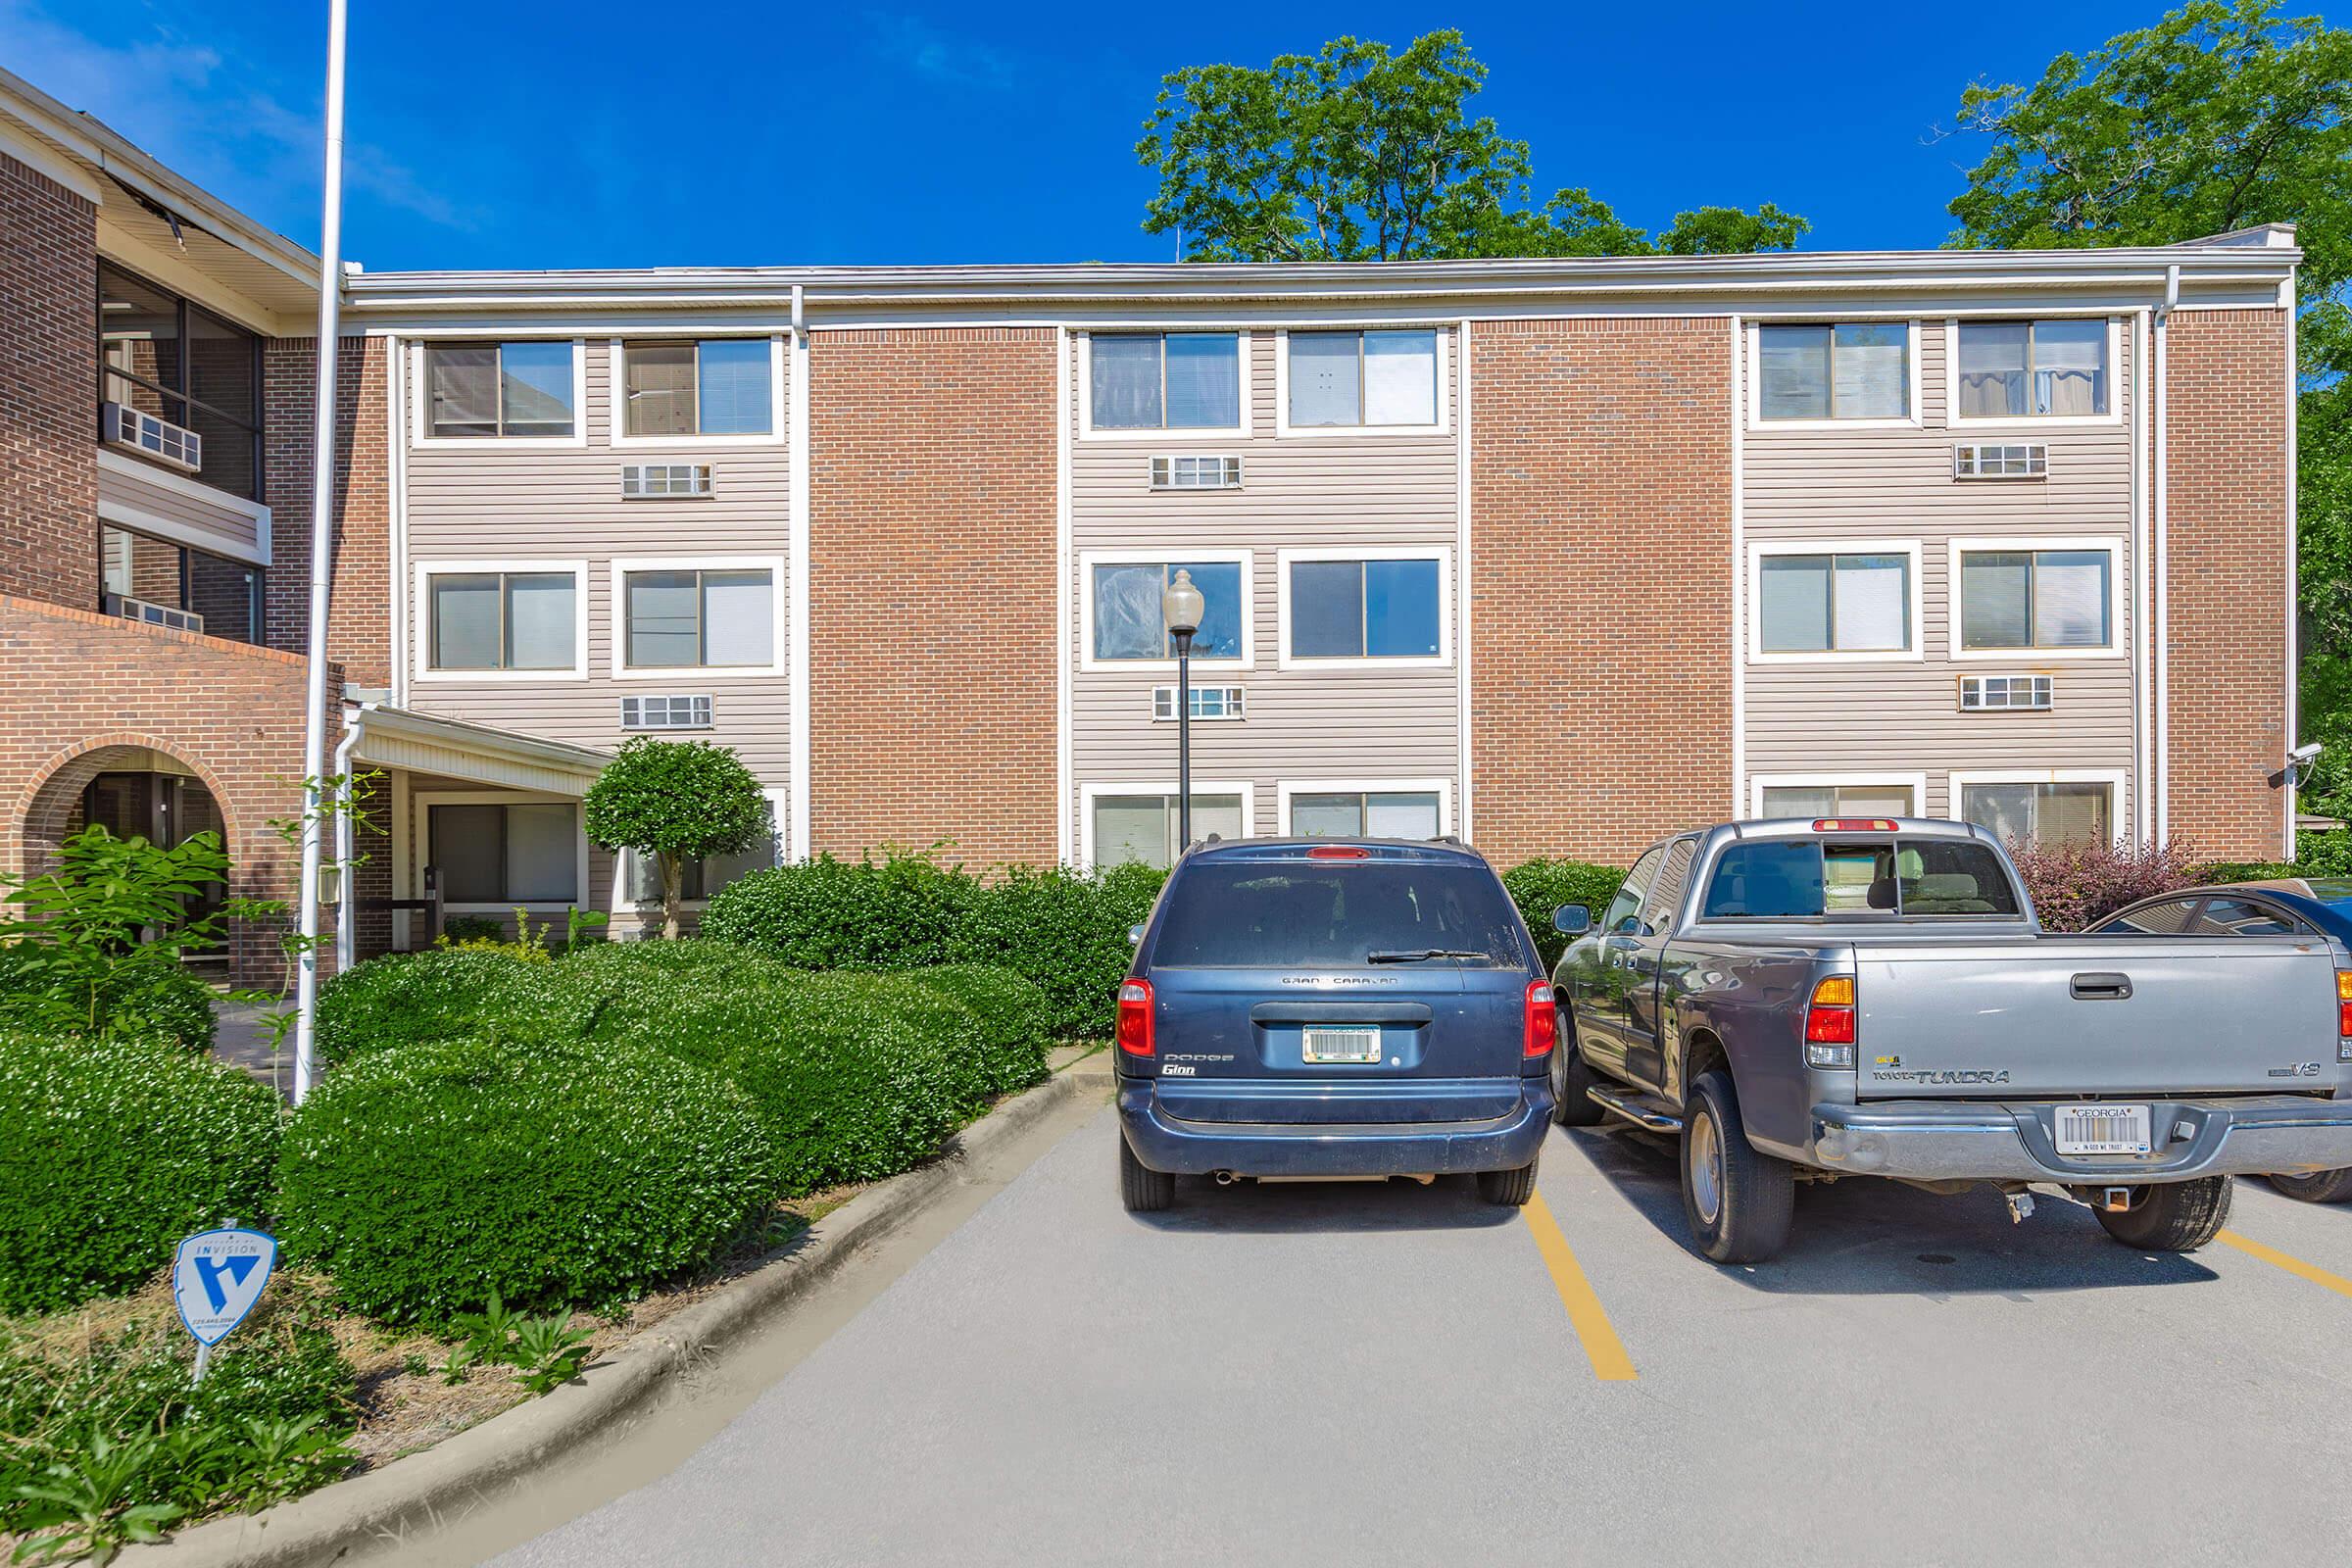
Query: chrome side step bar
[[1643, 1111]]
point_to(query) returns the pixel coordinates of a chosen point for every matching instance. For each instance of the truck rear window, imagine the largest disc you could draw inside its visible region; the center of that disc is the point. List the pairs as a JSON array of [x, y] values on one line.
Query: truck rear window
[[1810, 878], [1277, 916]]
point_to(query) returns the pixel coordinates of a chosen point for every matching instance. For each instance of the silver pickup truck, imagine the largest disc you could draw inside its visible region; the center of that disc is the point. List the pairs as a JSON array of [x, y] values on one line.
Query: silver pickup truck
[[1808, 1001]]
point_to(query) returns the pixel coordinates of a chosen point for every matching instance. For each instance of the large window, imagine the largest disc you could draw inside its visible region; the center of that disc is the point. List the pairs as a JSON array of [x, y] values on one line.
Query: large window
[[500, 855], [1371, 379], [699, 618], [1124, 599], [719, 386], [1166, 381], [1840, 799], [502, 620], [2025, 369], [1355, 813], [1857, 602], [2047, 813], [2037, 599], [160, 354], [522, 390], [225, 594], [1142, 826], [1371, 607], [1857, 370]]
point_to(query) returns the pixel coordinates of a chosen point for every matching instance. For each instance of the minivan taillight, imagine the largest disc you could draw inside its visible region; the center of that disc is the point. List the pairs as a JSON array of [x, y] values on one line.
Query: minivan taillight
[[1542, 1019], [2343, 1014], [1830, 1023], [1135, 1018]]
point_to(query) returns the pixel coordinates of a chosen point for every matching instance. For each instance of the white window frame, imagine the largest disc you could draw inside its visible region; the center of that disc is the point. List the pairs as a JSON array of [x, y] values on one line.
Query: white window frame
[[616, 379], [423, 802], [1154, 435], [1758, 554], [1286, 789], [2115, 778], [1759, 783], [1442, 555], [1090, 790], [1916, 394], [616, 585], [1283, 427], [1089, 560], [427, 571], [420, 436], [625, 869], [2116, 637], [2033, 421]]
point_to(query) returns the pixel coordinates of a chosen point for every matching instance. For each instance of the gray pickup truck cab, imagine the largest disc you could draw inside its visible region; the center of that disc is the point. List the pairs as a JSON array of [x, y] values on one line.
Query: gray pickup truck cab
[[1808, 1001]]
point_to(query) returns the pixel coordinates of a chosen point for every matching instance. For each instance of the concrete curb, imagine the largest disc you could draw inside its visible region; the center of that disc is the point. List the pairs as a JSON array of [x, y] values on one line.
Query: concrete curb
[[414, 1492]]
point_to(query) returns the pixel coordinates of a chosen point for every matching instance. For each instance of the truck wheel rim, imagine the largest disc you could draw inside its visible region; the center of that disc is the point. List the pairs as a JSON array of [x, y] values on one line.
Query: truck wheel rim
[[1707, 1167]]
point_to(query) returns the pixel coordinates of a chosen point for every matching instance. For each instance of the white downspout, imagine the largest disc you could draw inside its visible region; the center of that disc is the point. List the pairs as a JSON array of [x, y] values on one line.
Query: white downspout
[[347, 936], [2159, 695], [799, 835], [2142, 574]]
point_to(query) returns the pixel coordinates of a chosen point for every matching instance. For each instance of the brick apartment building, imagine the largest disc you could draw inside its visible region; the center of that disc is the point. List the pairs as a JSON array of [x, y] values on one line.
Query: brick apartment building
[[1557, 556]]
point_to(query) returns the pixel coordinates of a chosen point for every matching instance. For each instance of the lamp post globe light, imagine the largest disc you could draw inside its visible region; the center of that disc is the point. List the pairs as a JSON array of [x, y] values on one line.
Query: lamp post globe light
[[1181, 608]]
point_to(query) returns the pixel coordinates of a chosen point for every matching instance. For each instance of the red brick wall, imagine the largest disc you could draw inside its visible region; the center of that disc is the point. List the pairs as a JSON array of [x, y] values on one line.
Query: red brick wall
[[48, 389], [931, 497], [85, 685], [1600, 586], [358, 615], [2226, 509]]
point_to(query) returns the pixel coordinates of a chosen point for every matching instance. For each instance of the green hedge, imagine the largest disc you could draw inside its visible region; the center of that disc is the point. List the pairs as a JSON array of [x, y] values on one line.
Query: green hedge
[[1066, 933], [426, 1177], [144, 992], [1541, 886], [111, 1150], [1008, 1019], [449, 994]]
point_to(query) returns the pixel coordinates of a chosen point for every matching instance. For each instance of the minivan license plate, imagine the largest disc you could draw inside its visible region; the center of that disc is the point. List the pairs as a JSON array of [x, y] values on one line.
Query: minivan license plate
[[2102, 1129], [1342, 1045]]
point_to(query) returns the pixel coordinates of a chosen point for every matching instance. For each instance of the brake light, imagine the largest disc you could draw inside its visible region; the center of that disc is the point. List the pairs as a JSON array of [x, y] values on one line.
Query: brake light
[[1135, 1018], [1338, 852], [1830, 1023], [1542, 1019], [1854, 824]]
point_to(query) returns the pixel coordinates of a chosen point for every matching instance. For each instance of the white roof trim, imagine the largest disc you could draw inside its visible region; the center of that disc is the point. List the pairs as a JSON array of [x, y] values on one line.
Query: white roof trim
[[401, 738]]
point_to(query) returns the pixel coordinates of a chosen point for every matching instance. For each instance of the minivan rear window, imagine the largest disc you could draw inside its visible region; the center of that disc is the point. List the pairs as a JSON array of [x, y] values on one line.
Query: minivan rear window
[[1807, 879], [1279, 915]]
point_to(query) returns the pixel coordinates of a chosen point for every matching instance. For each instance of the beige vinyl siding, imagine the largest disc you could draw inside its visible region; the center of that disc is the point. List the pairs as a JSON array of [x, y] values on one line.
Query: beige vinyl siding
[[147, 501], [481, 502], [1902, 715], [1298, 492]]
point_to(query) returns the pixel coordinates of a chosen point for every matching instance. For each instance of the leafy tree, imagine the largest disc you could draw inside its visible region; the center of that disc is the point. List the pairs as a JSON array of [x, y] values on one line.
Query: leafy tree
[[2218, 117], [676, 801], [1359, 154]]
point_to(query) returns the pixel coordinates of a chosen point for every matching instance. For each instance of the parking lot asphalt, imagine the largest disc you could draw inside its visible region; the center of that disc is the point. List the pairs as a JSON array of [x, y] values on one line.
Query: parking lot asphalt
[[1353, 1373]]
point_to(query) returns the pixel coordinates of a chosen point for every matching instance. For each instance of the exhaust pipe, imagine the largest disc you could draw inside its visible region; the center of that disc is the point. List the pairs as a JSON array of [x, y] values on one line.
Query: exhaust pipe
[[1224, 1178]]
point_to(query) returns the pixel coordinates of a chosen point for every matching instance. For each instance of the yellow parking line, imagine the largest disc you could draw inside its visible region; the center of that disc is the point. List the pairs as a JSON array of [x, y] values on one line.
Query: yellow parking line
[[1586, 1314], [2293, 1265]]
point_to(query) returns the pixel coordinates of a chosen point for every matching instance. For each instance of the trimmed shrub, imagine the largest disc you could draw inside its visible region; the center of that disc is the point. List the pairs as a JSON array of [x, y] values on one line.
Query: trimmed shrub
[[1009, 1017], [897, 913], [1066, 931], [144, 990], [2076, 885], [1541, 886], [116, 1149], [450, 994], [426, 1177]]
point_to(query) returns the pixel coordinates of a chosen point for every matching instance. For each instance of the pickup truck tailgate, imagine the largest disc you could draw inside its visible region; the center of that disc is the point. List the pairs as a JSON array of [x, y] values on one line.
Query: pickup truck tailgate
[[2069, 1015]]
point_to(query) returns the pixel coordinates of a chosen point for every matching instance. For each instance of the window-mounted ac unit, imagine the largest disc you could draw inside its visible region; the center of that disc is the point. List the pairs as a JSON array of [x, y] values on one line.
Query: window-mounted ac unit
[[1209, 703], [663, 481], [1195, 474], [666, 713], [1991, 694], [137, 430], [2000, 460], [153, 614]]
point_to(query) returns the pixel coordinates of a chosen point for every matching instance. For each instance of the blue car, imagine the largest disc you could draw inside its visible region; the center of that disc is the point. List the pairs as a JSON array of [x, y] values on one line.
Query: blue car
[[1332, 1009]]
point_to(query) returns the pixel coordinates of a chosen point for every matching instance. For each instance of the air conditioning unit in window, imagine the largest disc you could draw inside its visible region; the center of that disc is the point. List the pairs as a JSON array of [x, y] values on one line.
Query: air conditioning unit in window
[[135, 430], [666, 713], [1988, 694], [152, 614], [2000, 460], [658, 482], [1195, 474], [1209, 703]]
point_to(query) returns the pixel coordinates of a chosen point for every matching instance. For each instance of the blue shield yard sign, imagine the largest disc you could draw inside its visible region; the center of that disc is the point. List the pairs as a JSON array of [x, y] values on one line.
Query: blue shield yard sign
[[218, 1276]]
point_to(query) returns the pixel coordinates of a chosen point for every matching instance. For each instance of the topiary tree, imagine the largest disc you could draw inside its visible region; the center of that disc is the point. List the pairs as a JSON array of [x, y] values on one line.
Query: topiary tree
[[676, 801]]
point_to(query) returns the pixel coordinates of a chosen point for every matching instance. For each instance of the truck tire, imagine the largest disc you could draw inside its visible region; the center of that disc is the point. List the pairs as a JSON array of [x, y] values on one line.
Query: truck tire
[[1141, 1189], [2320, 1187], [2178, 1218], [1511, 1189], [1570, 1079], [1738, 1202]]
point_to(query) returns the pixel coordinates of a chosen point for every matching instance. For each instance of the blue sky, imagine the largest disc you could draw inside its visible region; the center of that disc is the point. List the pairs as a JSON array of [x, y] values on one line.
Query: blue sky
[[493, 134]]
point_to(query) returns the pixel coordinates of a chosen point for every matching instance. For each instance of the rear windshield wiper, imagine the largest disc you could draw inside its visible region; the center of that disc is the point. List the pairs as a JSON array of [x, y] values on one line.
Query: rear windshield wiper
[[1417, 955]]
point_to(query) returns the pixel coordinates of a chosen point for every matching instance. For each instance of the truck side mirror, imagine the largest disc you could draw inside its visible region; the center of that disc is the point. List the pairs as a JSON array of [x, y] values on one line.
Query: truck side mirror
[[1135, 936], [1572, 920]]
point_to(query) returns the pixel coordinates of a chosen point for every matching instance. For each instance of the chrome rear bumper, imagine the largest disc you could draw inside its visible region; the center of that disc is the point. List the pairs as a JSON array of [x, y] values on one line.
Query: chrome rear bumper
[[1930, 1139]]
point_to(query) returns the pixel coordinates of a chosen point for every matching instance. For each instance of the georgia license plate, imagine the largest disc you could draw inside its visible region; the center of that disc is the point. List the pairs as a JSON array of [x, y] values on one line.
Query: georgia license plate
[[2102, 1129], [1342, 1045]]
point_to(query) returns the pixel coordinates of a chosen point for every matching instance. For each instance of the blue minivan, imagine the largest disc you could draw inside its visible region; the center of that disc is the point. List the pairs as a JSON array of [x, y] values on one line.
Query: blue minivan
[[1319, 1009]]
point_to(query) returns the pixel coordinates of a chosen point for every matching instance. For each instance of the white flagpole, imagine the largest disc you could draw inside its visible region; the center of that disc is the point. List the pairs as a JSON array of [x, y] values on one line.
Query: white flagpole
[[323, 544]]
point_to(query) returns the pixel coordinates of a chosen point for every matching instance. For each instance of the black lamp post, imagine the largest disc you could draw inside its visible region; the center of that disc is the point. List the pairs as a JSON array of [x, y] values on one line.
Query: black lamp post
[[1181, 608]]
